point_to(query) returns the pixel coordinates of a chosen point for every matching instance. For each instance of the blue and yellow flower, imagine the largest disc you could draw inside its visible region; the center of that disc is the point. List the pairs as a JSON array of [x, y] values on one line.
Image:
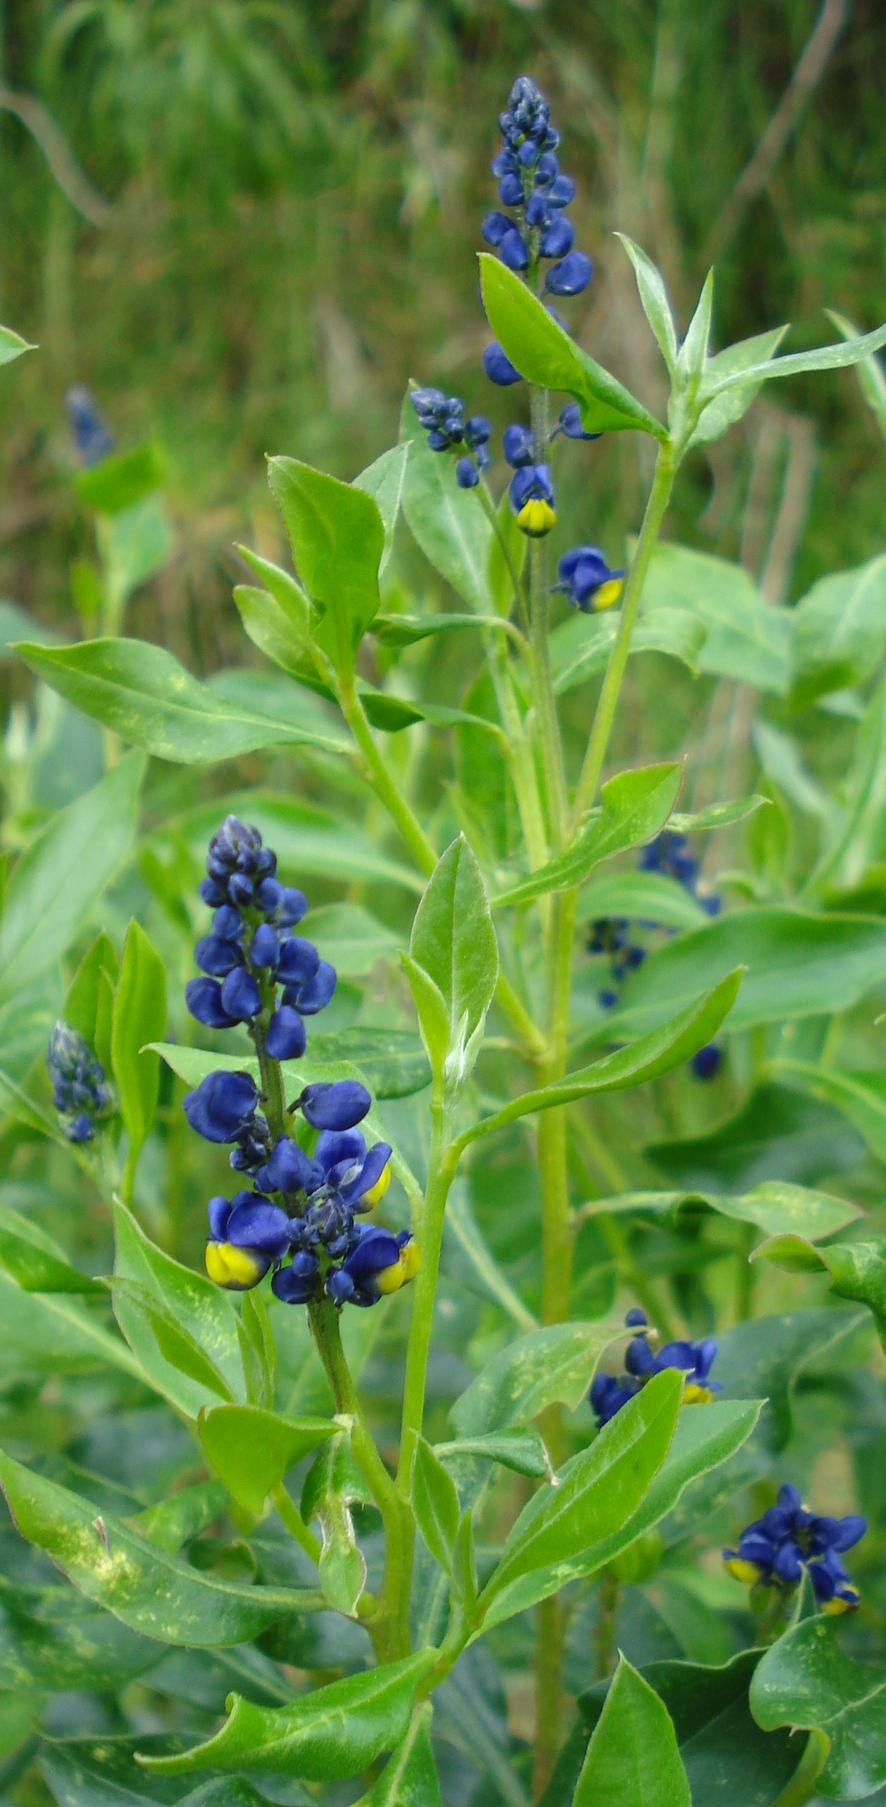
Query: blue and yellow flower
[[609, 1392], [775, 1550]]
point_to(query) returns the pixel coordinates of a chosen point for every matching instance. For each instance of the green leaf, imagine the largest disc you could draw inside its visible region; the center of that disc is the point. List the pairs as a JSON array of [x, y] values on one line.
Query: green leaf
[[59, 879], [352, 938], [52, 1640], [596, 1492], [808, 1680], [137, 543], [654, 296], [838, 632], [519, 1449], [544, 354], [139, 1017], [447, 522], [453, 941], [56, 1333], [694, 349], [121, 480], [635, 807], [718, 815], [857, 1270], [726, 1757], [801, 1142], [508, 552], [435, 1504], [869, 371], [203, 1311], [337, 537], [12, 345], [745, 638], [148, 698], [149, 1590], [764, 1360], [633, 1756], [706, 1436], [148, 1320], [730, 404], [643, 897], [860, 1097], [775, 1206], [580, 647], [85, 1772], [385, 480], [645, 1059], [327, 1735], [432, 1012], [410, 1779], [826, 357], [310, 839], [407, 630], [553, 1365], [89, 1000], [35, 1261], [797, 965], [178, 1520], [251, 1450], [283, 636]]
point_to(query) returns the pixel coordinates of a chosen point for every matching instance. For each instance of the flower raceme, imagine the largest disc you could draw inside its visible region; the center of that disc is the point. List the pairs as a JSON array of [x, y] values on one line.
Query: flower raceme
[[80, 1092], [775, 1550], [311, 1184], [609, 1392]]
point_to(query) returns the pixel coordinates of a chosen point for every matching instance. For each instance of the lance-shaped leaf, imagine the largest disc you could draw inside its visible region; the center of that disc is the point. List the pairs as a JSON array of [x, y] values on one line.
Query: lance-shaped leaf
[[856, 1270], [744, 636], [731, 404], [633, 1755], [859, 1097], [519, 1449], [384, 480], [545, 354], [764, 1359], [775, 1206], [410, 1778], [139, 1017], [581, 647], [596, 1492], [838, 632], [448, 522], [827, 357], [202, 1312], [84, 1772], [149, 1590], [36, 1261], [869, 372], [706, 1437], [724, 1752], [552, 1365], [337, 538], [333, 1481], [59, 879], [251, 1449], [177, 1520], [808, 1680], [327, 1735], [645, 1059], [642, 896], [654, 296], [12, 345], [635, 807], [52, 1640], [453, 941], [435, 1503], [282, 635], [144, 694]]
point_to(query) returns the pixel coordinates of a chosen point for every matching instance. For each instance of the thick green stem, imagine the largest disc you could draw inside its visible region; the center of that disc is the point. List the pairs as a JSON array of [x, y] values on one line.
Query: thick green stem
[[604, 717]]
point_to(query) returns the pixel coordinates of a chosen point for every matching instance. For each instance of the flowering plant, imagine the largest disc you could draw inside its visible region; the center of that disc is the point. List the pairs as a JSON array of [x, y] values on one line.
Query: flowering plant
[[439, 1178]]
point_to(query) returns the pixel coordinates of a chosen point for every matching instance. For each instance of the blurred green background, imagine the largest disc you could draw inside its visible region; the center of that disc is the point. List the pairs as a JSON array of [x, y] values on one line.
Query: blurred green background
[[244, 223]]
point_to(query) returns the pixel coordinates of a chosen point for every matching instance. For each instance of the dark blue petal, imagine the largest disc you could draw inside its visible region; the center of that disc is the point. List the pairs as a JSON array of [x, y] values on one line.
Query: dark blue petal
[[286, 1038], [222, 1106], [373, 1168], [314, 994], [299, 960], [240, 995], [265, 948], [259, 1224], [570, 275], [288, 1170], [219, 1210], [335, 1106], [203, 998]]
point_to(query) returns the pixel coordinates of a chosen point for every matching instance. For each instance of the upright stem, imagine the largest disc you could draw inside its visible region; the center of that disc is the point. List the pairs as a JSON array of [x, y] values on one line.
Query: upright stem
[[539, 653], [604, 716]]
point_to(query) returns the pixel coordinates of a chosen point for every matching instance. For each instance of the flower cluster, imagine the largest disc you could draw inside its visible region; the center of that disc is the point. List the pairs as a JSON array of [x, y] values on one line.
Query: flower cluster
[[609, 1392], [443, 418], [669, 854], [310, 1185], [610, 935], [775, 1549], [92, 439], [80, 1092]]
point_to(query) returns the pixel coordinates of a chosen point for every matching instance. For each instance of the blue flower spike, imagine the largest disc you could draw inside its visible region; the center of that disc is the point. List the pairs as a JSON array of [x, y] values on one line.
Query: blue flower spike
[[80, 1091], [775, 1550], [609, 1392], [311, 1183]]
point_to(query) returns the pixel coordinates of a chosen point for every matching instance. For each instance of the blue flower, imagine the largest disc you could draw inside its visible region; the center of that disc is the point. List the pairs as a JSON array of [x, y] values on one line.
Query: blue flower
[[443, 417], [80, 1091], [336, 1105], [286, 1038], [774, 1551], [610, 935], [498, 366], [669, 854], [570, 275], [569, 422], [517, 445], [92, 439], [532, 499], [246, 1234], [706, 1062], [588, 581], [223, 1106], [609, 1392], [379, 1263]]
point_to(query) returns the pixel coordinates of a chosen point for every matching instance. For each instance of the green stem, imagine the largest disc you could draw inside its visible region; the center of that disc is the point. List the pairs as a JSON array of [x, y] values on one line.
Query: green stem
[[608, 1598], [803, 1783], [295, 1524], [539, 653], [604, 717]]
